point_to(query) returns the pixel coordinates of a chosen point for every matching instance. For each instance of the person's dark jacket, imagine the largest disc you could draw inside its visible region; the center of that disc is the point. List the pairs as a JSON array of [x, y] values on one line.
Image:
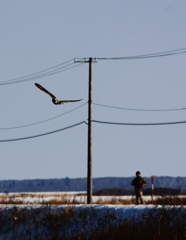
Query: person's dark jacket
[[138, 183]]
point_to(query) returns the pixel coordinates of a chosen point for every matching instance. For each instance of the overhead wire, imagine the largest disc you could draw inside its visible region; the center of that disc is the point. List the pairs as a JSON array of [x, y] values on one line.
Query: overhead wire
[[151, 55], [49, 119], [59, 68], [36, 73], [138, 109], [95, 121], [29, 75], [42, 134], [44, 74], [46, 120], [41, 76], [139, 124]]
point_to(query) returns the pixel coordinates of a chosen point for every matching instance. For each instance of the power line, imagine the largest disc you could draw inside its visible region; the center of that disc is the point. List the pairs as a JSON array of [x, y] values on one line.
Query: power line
[[138, 109], [46, 120], [44, 74], [96, 121], [40, 71], [139, 124], [41, 76], [49, 119], [135, 57], [43, 134], [59, 68], [151, 55], [36, 73]]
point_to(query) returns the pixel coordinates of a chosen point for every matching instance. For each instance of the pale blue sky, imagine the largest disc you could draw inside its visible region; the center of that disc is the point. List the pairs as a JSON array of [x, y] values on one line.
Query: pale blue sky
[[36, 35]]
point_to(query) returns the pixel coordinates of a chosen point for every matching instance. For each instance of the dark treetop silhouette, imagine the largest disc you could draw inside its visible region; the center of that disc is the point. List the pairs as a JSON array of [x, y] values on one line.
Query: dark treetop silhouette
[[54, 99]]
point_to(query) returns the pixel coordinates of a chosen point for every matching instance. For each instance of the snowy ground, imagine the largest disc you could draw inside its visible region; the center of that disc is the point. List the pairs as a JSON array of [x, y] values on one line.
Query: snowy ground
[[41, 197], [19, 218], [79, 197], [27, 220], [122, 211]]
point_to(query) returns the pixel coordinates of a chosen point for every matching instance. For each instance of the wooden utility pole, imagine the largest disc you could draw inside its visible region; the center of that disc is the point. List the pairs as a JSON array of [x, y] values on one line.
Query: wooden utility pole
[[89, 163], [89, 159], [152, 190]]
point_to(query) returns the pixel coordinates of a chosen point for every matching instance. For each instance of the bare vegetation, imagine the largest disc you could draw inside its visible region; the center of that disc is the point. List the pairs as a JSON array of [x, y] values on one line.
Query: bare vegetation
[[49, 221], [171, 200], [66, 199], [46, 223]]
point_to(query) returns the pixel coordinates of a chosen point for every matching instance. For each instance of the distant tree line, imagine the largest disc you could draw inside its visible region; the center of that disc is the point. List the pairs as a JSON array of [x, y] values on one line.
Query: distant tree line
[[147, 191], [80, 184]]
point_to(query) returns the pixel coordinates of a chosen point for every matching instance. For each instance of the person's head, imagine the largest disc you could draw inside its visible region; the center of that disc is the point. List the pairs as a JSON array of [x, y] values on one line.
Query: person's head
[[138, 174]]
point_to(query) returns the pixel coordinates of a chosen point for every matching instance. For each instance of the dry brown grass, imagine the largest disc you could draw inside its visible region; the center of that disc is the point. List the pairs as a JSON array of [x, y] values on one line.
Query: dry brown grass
[[37, 195], [115, 201], [171, 200], [65, 200], [61, 199], [46, 223]]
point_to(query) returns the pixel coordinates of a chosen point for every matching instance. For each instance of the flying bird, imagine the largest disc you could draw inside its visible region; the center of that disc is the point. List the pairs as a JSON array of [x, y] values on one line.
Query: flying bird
[[54, 99]]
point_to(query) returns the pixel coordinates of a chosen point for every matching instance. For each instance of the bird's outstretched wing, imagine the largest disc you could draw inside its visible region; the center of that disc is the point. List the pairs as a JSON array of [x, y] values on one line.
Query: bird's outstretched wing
[[44, 90], [66, 101]]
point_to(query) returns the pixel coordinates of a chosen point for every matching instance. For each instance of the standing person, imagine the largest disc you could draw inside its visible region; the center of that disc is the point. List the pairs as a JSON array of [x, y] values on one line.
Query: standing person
[[138, 184]]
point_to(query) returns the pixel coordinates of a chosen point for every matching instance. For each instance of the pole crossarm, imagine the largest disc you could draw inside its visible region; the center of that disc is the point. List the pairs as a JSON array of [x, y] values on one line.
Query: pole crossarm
[[84, 60]]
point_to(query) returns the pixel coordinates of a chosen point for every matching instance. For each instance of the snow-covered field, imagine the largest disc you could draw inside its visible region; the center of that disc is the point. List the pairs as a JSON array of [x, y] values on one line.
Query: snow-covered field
[[34, 215], [33, 200], [121, 211], [41, 197], [33, 222], [79, 197]]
